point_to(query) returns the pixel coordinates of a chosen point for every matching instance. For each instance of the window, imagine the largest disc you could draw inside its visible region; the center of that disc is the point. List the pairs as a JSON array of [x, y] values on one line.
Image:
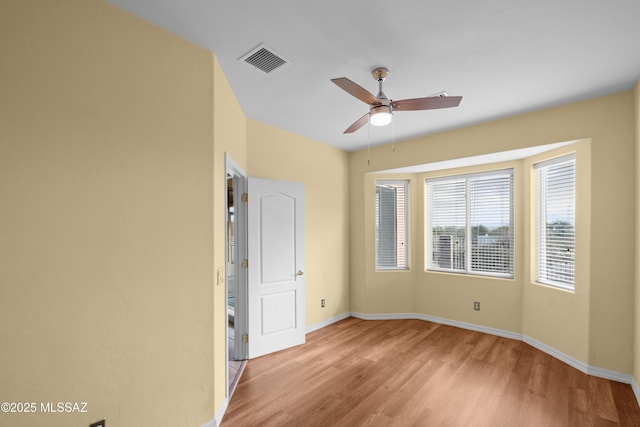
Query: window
[[555, 221], [391, 225], [470, 223]]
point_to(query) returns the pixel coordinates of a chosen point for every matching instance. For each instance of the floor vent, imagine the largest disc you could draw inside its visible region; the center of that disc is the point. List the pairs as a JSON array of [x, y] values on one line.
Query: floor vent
[[265, 59]]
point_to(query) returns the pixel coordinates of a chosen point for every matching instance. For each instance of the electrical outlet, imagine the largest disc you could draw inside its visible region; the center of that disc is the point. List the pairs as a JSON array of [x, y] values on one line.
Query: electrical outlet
[[101, 423], [322, 303], [476, 305]]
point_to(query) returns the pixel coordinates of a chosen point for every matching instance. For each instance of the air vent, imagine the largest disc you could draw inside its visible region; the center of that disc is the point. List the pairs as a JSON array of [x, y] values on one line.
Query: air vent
[[265, 59]]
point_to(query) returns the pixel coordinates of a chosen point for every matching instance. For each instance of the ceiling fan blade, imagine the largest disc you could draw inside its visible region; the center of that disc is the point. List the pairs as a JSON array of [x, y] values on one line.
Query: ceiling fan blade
[[356, 90], [358, 124], [428, 103]]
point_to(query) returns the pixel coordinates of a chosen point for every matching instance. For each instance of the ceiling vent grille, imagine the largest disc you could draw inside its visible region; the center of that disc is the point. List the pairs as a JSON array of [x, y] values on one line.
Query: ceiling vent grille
[[264, 58]]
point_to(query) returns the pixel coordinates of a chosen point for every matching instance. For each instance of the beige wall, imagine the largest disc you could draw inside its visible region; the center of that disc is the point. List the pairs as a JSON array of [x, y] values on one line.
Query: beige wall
[[451, 296], [230, 137], [612, 254], [277, 154], [387, 292], [594, 325], [112, 156], [106, 237], [637, 257], [544, 308]]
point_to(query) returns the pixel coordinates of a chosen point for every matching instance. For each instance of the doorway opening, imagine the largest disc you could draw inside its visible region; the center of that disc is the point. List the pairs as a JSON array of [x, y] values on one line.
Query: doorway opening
[[236, 275]]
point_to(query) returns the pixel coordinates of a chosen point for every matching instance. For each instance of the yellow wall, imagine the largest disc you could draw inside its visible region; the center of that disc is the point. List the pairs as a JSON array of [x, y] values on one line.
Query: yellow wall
[[106, 232], [612, 254], [544, 308], [277, 154], [389, 292], [230, 137], [597, 321], [637, 234], [451, 296], [112, 167]]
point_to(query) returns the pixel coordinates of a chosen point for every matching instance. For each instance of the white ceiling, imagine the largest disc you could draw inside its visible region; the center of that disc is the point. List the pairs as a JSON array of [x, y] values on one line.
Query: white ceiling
[[503, 57]]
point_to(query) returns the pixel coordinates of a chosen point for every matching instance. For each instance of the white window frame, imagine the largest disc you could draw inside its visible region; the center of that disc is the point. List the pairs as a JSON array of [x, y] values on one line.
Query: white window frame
[[401, 231], [468, 243], [563, 280]]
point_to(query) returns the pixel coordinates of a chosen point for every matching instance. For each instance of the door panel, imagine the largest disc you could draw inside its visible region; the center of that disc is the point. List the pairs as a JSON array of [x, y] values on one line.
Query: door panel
[[277, 242], [279, 308], [276, 266]]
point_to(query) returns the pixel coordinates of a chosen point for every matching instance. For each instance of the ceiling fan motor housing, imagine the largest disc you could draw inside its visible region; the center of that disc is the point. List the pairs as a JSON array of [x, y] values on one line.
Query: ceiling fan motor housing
[[380, 73]]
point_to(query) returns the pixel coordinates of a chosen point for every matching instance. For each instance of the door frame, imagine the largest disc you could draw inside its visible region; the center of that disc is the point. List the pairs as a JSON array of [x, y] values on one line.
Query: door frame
[[240, 282]]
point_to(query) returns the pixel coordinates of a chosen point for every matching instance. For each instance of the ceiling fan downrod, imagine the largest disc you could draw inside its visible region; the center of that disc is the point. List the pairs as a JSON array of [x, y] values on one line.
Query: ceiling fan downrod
[[380, 115], [380, 74]]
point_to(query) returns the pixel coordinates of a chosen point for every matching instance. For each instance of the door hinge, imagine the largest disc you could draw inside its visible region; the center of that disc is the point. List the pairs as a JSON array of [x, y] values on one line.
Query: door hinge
[[245, 338], [245, 197], [245, 263]]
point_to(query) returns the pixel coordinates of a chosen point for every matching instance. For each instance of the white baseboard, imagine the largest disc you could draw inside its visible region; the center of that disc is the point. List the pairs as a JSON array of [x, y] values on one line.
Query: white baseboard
[[327, 322], [219, 415], [471, 326], [571, 361], [636, 389], [385, 316], [608, 374], [441, 320], [578, 364]]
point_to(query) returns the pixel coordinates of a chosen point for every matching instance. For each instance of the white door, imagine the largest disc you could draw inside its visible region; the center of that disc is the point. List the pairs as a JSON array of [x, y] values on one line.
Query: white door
[[276, 265]]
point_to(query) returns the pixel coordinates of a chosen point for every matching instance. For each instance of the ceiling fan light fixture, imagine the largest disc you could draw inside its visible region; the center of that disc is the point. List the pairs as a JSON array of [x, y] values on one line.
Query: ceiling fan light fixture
[[380, 115]]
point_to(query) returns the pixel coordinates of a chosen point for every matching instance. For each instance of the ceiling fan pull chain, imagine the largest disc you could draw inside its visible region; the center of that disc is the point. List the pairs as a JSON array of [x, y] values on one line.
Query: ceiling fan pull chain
[[393, 136], [368, 144]]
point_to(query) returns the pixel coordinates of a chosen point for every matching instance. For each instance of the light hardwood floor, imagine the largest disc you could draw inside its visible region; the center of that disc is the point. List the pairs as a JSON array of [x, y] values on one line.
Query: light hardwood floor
[[414, 373]]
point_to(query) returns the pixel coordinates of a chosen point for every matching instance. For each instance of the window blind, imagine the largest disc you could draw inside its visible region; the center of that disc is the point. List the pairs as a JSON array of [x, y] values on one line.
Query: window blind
[[555, 222], [491, 220], [391, 225], [448, 224], [470, 218]]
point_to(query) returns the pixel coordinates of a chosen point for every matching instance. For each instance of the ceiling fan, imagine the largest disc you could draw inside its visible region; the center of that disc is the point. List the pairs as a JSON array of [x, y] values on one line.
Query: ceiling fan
[[381, 107]]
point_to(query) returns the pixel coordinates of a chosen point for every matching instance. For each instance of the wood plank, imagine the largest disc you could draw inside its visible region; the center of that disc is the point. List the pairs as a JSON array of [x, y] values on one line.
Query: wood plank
[[416, 373]]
